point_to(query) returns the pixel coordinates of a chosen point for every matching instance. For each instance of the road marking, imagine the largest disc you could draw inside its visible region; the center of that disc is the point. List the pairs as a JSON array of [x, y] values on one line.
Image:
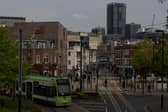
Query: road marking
[[113, 100], [122, 98], [105, 105], [130, 107]]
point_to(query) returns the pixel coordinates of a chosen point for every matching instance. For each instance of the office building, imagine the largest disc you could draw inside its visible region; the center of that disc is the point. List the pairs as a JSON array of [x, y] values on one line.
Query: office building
[[116, 19], [131, 30], [99, 30]]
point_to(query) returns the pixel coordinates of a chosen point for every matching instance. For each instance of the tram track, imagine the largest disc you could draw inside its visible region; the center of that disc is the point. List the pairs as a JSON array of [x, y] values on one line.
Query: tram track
[[112, 105]]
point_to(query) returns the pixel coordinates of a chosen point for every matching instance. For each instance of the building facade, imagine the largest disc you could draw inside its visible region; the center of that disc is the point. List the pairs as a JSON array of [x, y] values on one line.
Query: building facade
[[131, 30], [116, 19], [98, 31], [10, 21], [44, 46], [89, 53], [123, 53]]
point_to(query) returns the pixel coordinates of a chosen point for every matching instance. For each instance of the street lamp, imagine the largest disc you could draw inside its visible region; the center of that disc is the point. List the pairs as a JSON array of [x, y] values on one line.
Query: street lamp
[[83, 41], [59, 70], [97, 75], [162, 65], [20, 71]]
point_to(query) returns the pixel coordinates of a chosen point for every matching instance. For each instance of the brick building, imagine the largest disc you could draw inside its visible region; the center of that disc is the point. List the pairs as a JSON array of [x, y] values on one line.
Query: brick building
[[44, 46], [123, 53]]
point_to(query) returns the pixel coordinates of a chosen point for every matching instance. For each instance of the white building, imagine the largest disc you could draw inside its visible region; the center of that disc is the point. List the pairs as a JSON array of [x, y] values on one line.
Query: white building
[[89, 53]]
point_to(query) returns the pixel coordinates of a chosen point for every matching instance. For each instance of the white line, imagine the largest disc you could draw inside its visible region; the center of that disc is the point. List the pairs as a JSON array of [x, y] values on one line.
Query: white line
[[130, 107], [105, 105], [126, 103], [114, 102]]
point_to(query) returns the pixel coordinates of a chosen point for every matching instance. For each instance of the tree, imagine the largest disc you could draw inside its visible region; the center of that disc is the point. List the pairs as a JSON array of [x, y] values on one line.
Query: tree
[[157, 65], [148, 57], [9, 60], [142, 58]]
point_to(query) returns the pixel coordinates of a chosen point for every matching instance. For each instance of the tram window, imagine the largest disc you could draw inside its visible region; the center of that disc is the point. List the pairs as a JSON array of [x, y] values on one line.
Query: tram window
[[51, 91], [36, 87], [44, 90]]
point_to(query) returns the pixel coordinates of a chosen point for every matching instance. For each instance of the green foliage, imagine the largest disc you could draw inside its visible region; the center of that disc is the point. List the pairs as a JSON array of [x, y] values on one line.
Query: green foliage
[[157, 64], [10, 105], [9, 61], [8, 54], [142, 58], [148, 57]]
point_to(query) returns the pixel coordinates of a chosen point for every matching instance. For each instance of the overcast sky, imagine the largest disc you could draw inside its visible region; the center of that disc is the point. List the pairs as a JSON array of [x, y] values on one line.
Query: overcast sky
[[82, 15]]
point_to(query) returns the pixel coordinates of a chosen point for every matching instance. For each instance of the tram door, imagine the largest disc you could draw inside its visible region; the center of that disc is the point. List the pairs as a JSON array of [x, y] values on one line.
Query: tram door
[[29, 90]]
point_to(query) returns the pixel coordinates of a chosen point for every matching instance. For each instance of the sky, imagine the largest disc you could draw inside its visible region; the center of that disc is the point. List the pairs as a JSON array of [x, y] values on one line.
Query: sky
[[83, 15]]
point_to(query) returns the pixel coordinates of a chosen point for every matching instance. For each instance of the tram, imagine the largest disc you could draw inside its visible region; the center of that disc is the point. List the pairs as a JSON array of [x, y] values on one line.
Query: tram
[[55, 91]]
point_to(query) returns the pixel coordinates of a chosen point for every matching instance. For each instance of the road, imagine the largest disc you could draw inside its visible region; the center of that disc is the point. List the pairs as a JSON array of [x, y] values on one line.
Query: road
[[113, 98], [139, 101]]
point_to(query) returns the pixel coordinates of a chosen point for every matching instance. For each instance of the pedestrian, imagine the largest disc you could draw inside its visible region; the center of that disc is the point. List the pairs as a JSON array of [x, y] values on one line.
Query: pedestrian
[[149, 88], [105, 82]]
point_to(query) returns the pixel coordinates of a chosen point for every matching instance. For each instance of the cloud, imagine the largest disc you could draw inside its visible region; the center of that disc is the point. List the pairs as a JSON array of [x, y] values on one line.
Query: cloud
[[79, 16]]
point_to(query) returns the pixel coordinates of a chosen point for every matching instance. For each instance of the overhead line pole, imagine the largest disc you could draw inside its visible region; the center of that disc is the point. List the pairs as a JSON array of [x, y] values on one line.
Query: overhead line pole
[[20, 71]]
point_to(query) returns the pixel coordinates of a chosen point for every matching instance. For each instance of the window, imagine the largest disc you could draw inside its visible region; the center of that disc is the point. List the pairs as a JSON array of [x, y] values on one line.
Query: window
[[69, 53], [37, 59], [41, 44], [45, 60], [52, 44], [55, 59], [63, 87], [43, 90], [78, 55], [69, 62], [25, 44]]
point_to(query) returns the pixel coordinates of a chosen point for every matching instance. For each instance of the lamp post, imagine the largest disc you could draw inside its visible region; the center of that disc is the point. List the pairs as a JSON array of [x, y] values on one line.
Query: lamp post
[[81, 55], [20, 71], [162, 66], [83, 43], [59, 73], [97, 75]]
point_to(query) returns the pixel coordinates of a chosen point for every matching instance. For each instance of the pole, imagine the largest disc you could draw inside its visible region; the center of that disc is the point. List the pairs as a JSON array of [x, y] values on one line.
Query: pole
[[97, 73], [81, 75], [59, 71], [162, 67], [162, 59], [20, 71]]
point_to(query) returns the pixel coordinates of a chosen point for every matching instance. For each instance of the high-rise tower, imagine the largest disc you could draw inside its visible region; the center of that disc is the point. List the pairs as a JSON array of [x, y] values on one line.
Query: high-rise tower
[[116, 19]]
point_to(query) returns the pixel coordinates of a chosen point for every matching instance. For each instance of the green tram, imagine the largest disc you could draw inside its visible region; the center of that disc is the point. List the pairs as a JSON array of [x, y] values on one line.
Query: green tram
[[55, 91]]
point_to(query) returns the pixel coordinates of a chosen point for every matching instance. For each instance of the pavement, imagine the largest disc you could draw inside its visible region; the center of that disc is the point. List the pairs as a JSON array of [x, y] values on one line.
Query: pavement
[[156, 108], [147, 101]]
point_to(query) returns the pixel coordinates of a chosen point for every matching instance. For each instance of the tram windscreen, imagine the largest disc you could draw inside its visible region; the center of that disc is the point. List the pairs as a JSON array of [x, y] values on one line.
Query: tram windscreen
[[63, 87]]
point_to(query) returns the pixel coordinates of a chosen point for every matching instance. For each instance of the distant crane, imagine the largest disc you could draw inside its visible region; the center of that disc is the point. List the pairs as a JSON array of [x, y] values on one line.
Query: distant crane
[[153, 20]]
